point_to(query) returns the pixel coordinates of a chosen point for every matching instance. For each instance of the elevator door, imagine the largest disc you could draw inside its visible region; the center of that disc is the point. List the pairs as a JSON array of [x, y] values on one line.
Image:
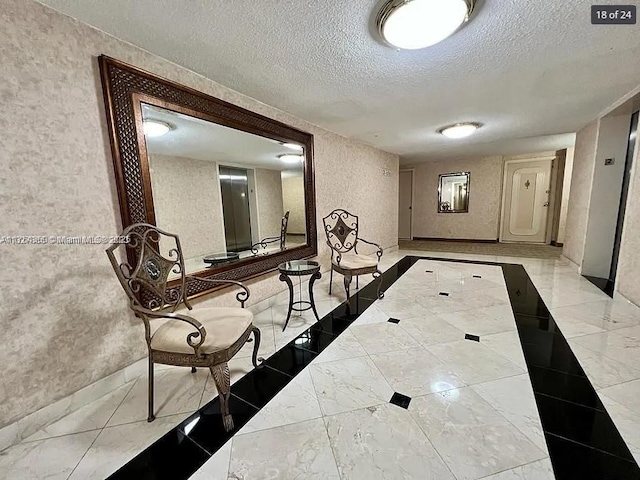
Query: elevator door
[[235, 208]]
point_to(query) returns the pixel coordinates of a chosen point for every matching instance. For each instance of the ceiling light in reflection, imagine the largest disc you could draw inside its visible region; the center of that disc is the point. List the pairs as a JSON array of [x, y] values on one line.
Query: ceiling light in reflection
[[154, 128], [293, 146], [290, 158], [233, 177]]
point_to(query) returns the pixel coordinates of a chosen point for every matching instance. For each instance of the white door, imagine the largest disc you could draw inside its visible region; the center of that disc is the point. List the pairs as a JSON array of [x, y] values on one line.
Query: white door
[[405, 204], [526, 200]]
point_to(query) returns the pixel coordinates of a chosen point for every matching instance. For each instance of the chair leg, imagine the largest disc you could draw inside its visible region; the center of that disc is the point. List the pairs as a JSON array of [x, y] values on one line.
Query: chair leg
[[357, 283], [378, 274], [330, 279], [347, 283], [256, 346], [222, 379], [194, 369], [151, 416]]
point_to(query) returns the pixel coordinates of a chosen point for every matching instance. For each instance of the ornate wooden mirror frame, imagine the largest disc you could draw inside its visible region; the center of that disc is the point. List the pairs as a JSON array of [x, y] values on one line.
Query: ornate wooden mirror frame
[[124, 88]]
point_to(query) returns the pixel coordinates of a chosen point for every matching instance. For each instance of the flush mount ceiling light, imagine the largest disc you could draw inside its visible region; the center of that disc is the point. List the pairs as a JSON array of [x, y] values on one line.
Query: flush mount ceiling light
[[154, 128], [290, 158], [413, 24], [459, 130], [293, 146]]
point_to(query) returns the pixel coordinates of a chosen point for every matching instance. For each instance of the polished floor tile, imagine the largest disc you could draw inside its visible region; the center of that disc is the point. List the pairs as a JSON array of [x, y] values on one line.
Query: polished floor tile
[[483, 321], [349, 384], [473, 439], [431, 329], [383, 337], [296, 451], [344, 347], [538, 470], [383, 442]]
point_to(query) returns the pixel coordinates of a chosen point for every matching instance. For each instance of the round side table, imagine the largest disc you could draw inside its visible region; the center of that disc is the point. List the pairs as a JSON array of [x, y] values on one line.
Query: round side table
[[299, 268]]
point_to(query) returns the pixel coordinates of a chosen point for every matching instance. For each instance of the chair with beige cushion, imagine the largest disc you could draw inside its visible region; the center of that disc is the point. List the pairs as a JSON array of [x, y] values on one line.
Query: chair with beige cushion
[[341, 228], [206, 337]]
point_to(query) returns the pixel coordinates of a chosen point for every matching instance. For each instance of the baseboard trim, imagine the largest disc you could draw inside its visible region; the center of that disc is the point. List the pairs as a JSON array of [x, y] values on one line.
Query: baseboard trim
[[468, 240]]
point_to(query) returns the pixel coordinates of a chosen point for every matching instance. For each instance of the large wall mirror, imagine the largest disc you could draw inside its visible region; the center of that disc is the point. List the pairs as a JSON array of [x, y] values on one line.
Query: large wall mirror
[[453, 193], [236, 187]]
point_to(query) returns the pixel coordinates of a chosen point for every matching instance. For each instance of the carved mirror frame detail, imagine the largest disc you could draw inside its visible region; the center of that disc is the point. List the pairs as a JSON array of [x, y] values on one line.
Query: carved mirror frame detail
[[124, 86]]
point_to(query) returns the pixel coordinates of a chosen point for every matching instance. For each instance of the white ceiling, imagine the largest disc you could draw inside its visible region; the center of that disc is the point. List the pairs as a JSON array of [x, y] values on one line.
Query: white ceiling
[[532, 72], [195, 138]]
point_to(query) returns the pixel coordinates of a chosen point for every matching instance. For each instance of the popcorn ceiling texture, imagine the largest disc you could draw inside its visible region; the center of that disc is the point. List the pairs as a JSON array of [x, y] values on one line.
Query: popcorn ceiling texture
[[483, 219], [64, 320]]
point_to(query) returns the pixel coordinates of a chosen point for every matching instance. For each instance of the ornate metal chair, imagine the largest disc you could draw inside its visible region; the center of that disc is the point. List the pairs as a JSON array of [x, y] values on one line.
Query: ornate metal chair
[[341, 228], [209, 338], [282, 238]]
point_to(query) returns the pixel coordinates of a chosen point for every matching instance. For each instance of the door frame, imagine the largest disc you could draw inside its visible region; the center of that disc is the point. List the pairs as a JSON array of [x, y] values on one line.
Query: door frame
[[413, 197], [533, 158]]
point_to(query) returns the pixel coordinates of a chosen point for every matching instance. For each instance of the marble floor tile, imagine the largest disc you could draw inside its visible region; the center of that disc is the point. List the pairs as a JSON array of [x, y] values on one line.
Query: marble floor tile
[[373, 314], [431, 329], [295, 403], [90, 417], [626, 394], [506, 344], [383, 337], [483, 321], [263, 318], [473, 439], [568, 296], [345, 346], [626, 420], [400, 308], [473, 362], [607, 314], [297, 451], [217, 467], [51, 459], [538, 470], [383, 442], [177, 390], [513, 398], [349, 384], [616, 344], [115, 446], [416, 372], [601, 370]]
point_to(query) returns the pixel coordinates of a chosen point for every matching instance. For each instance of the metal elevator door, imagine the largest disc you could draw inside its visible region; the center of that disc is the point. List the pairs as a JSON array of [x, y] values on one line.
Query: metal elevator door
[[235, 207]]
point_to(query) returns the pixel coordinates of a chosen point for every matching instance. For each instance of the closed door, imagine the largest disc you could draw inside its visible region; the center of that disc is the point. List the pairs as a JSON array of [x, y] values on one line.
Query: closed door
[[235, 208], [405, 204], [526, 201]]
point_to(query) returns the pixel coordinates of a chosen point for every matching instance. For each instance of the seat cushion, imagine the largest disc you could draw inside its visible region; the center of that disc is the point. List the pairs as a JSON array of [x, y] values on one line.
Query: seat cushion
[[353, 261], [224, 327]]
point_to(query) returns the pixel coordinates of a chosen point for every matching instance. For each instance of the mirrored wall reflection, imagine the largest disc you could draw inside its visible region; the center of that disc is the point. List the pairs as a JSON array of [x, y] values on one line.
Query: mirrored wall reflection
[[226, 193], [453, 193]]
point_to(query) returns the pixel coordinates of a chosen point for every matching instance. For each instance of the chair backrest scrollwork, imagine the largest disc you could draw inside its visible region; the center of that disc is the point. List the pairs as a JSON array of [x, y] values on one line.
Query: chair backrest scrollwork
[[283, 230], [341, 228], [146, 282]]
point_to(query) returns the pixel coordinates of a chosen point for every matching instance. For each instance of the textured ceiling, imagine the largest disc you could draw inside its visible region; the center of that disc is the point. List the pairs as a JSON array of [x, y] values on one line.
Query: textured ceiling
[[531, 72]]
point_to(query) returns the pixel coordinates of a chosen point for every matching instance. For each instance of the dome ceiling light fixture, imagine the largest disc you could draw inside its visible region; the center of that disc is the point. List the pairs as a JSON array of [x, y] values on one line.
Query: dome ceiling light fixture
[[459, 130], [293, 146], [155, 128], [291, 158], [414, 24]]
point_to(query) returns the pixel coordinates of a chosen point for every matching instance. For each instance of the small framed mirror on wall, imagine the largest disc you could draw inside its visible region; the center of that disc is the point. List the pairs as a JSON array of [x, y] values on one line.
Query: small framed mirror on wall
[[453, 193]]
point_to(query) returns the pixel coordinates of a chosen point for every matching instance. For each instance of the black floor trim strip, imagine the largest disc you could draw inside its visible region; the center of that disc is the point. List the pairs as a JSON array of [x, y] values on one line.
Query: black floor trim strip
[[582, 439]]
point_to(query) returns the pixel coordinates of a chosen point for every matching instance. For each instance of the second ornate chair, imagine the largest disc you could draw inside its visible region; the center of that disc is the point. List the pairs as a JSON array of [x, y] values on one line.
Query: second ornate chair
[[209, 337], [282, 238], [341, 228]]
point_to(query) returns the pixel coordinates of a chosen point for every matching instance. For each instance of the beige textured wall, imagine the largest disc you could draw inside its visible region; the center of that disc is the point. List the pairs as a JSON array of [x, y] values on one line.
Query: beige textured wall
[[186, 200], [269, 199], [566, 192], [483, 219], [64, 321], [581, 180], [293, 201]]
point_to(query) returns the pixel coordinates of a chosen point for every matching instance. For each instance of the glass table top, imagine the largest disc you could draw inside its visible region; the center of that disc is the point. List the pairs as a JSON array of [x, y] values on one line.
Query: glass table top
[[299, 266]]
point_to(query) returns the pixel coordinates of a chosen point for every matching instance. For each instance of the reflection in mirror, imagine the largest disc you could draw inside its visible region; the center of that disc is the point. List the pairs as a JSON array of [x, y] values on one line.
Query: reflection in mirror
[[226, 193], [453, 193]]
